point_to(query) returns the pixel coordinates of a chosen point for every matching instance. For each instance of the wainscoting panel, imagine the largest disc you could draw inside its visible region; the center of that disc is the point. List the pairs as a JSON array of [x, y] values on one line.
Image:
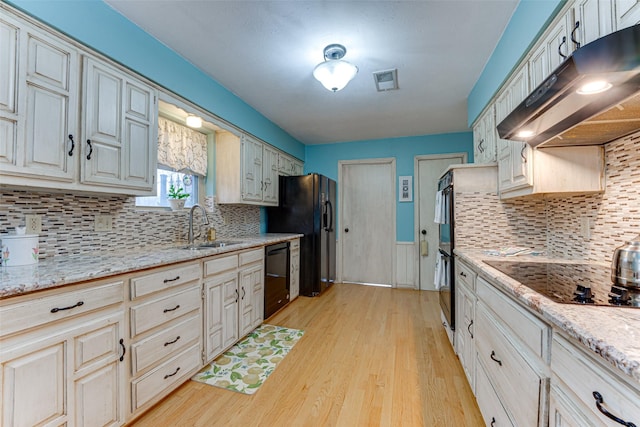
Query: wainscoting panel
[[406, 265]]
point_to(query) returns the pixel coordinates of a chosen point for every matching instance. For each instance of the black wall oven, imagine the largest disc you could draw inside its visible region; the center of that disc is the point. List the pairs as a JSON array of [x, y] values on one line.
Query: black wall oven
[[445, 265]]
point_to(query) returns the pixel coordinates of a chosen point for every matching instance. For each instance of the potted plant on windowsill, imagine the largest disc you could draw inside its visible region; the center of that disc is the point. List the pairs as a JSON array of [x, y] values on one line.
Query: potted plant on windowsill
[[177, 197]]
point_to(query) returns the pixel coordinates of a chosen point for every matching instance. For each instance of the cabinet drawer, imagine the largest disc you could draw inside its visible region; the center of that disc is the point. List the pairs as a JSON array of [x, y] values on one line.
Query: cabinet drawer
[[163, 279], [465, 274], [160, 345], [518, 385], [220, 264], [171, 372], [33, 310], [530, 330], [160, 310], [582, 376], [251, 256], [488, 402]]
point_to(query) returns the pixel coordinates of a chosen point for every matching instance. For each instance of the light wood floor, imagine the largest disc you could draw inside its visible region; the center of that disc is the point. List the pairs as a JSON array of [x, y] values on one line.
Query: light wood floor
[[370, 356]]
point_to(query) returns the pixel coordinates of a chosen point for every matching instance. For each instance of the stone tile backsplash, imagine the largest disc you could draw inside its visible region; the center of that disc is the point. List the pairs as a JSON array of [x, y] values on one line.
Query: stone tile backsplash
[[68, 221], [557, 223]]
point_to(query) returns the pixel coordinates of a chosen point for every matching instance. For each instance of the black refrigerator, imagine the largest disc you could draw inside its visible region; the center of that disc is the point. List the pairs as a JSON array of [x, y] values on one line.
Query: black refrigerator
[[307, 206]]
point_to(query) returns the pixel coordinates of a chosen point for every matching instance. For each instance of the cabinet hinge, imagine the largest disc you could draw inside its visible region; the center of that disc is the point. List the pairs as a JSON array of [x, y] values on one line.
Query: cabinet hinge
[[203, 292]]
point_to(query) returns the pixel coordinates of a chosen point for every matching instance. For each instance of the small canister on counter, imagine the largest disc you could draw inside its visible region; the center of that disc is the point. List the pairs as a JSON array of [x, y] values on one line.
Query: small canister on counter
[[19, 249]]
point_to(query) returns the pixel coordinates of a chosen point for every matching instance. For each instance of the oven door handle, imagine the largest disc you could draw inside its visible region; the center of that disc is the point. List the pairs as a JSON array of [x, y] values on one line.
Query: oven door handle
[[443, 253]]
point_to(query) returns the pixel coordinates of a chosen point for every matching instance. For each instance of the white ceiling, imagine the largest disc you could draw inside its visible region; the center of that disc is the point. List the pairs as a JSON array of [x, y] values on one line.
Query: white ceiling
[[265, 51]]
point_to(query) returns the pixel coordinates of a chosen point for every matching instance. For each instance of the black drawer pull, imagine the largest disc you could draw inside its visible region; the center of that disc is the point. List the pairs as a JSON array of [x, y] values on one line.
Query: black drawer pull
[[124, 349], [600, 401], [493, 421], [462, 273], [493, 357], [73, 145], [171, 280], [170, 375], [166, 310], [90, 149], [57, 309], [469, 329], [172, 342]]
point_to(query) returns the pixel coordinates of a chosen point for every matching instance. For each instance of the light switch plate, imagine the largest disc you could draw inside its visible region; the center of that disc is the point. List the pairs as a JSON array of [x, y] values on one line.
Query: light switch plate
[[103, 223]]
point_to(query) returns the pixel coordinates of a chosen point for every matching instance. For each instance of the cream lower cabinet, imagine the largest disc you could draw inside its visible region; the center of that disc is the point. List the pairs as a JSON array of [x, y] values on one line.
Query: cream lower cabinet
[[165, 326], [294, 269], [233, 298], [583, 388], [513, 353], [465, 317], [62, 357]]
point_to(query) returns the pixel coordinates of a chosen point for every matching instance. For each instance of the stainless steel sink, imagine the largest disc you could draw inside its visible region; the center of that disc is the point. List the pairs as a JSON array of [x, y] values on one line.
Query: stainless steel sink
[[211, 245]]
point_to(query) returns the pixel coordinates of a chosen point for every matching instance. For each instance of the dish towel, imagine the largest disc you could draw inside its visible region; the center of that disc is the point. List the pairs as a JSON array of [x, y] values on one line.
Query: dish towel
[[439, 216], [439, 271]]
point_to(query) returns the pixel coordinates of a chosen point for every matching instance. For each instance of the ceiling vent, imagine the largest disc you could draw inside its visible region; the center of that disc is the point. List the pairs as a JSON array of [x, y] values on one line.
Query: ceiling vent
[[386, 80]]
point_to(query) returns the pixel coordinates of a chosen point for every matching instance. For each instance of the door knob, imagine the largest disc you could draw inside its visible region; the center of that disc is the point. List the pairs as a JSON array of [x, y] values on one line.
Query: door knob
[[346, 230], [424, 232]]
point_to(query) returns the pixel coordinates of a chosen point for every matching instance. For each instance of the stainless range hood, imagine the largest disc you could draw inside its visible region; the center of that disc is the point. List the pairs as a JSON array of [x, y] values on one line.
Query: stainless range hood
[[560, 113]]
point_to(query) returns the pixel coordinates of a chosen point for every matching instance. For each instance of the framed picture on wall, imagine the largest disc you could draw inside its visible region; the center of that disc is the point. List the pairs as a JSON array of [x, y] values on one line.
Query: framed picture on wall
[[405, 189]]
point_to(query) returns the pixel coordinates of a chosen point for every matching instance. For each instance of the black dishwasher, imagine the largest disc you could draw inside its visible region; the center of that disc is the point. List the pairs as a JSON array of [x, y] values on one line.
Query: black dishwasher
[[276, 278]]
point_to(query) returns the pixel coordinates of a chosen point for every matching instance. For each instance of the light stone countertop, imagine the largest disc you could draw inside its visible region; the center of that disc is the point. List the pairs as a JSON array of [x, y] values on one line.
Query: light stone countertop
[[65, 270], [612, 333]]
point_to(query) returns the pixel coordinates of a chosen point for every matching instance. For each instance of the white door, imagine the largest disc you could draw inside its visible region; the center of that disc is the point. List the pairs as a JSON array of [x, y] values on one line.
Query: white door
[[429, 169], [367, 220]]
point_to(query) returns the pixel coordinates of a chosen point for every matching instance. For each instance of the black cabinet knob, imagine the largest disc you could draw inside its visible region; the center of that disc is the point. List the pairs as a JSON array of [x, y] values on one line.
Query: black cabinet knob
[[346, 230]]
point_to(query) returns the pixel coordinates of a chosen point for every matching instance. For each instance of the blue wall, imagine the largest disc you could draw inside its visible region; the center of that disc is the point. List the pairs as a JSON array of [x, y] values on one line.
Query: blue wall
[[526, 23], [100, 27], [324, 159]]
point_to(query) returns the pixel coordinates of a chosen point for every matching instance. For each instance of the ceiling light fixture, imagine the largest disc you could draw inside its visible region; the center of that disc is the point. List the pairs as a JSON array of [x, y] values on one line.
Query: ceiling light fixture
[[194, 121], [334, 73]]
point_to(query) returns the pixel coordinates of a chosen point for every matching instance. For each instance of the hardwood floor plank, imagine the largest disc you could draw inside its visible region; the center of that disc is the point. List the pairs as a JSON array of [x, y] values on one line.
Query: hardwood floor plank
[[370, 356]]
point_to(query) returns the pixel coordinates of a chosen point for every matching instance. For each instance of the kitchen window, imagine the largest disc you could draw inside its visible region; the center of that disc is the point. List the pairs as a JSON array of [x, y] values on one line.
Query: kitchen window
[[182, 163]]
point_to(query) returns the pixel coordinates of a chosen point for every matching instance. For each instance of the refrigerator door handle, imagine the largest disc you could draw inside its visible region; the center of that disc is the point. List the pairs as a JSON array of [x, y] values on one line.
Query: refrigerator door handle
[[329, 210]]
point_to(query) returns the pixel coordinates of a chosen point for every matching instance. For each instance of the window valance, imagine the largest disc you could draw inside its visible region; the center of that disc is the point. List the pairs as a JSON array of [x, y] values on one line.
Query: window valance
[[182, 149]]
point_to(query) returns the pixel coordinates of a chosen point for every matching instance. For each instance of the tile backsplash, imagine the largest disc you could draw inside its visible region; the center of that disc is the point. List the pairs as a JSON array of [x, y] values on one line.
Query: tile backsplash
[[587, 227], [68, 221]]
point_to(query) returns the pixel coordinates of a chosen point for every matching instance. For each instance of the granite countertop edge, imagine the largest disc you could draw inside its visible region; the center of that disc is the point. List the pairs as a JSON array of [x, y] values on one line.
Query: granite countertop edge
[[611, 333], [72, 269]]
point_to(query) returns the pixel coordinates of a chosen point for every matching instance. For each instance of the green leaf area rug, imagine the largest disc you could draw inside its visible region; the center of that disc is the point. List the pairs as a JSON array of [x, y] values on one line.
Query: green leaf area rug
[[246, 365]]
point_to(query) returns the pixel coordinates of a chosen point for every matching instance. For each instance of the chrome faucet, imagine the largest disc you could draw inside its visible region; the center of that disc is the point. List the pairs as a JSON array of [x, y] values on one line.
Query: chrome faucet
[[205, 221]]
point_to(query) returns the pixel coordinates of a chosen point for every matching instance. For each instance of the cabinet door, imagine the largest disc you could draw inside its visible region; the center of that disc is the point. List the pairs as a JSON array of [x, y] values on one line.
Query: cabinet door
[[478, 141], [251, 298], [627, 13], [521, 165], [252, 169], [33, 387], [118, 147], [294, 273], [297, 168], [270, 175], [466, 348], [593, 18], [40, 113], [490, 136], [554, 48], [221, 302], [99, 375], [8, 93], [285, 164]]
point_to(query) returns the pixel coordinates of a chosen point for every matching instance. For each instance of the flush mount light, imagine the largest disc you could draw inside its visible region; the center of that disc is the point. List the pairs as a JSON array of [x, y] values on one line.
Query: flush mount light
[[194, 121], [525, 134], [593, 87], [334, 73]]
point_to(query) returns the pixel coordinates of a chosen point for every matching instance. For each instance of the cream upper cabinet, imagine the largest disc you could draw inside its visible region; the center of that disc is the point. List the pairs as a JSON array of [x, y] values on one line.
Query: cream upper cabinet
[[38, 104], [288, 166], [627, 13], [297, 168], [592, 19], [48, 141], [119, 129], [246, 170], [269, 175], [484, 137], [552, 50]]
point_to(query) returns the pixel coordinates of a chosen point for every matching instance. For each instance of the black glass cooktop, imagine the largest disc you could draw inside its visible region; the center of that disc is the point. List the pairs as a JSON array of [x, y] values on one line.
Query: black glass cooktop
[[569, 283]]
